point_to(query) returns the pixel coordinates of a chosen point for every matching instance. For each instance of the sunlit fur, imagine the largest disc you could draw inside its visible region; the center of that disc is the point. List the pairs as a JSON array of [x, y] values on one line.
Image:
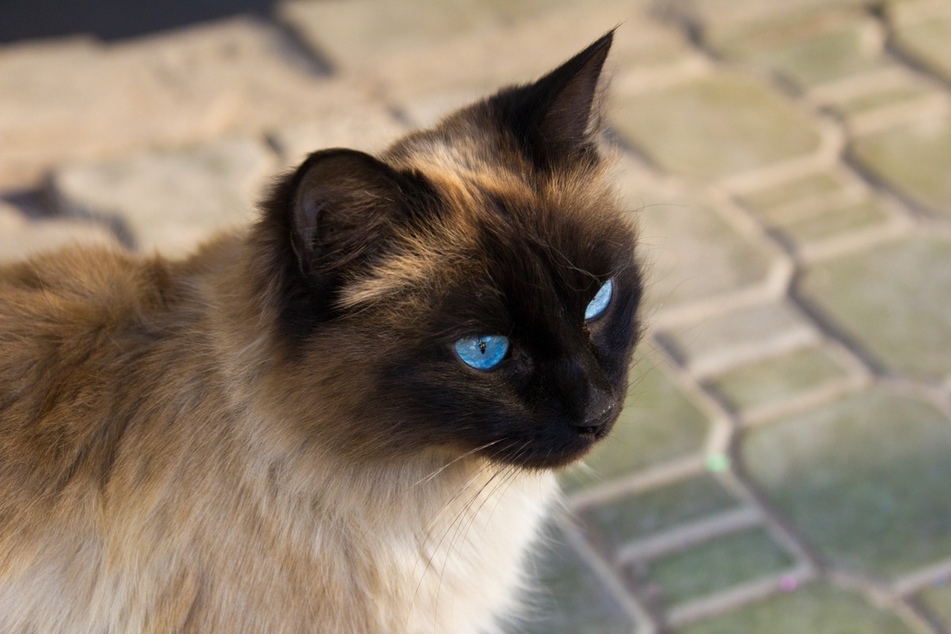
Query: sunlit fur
[[275, 436]]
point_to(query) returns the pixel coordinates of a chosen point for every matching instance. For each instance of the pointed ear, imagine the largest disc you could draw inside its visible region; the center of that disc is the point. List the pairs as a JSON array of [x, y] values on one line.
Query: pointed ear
[[342, 207], [556, 118]]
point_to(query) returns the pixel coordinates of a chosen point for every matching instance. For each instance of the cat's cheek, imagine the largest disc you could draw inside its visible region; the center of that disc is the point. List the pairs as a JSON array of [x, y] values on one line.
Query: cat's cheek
[[520, 366]]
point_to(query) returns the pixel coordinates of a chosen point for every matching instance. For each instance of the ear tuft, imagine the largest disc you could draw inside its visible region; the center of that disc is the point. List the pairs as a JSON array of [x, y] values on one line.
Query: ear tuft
[[556, 117], [342, 203]]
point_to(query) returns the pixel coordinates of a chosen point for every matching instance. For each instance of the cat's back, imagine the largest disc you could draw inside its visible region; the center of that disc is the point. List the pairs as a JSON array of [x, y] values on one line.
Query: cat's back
[[61, 311], [71, 287], [88, 337]]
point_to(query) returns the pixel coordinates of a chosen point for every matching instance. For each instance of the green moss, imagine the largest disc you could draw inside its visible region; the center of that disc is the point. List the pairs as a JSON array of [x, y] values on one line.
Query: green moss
[[817, 59], [611, 525], [929, 41], [717, 565], [816, 609], [777, 379], [715, 126], [937, 600], [569, 597], [794, 190], [695, 254], [864, 479], [913, 159], [893, 300], [835, 221]]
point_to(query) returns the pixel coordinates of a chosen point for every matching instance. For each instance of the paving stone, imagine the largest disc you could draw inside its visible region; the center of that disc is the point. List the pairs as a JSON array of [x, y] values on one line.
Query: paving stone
[[170, 200], [863, 478], [893, 300], [693, 253], [610, 525], [21, 237], [659, 423], [912, 159], [361, 34], [419, 80], [833, 221], [777, 379], [571, 598], [737, 336], [714, 126], [367, 127], [63, 98], [720, 19], [236, 75], [810, 48], [75, 100], [813, 185], [813, 209], [819, 608], [907, 88], [924, 36], [714, 566], [356, 33], [937, 600]]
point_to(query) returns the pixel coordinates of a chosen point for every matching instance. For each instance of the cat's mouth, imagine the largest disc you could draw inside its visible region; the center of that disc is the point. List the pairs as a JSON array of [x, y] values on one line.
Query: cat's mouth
[[555, 446]]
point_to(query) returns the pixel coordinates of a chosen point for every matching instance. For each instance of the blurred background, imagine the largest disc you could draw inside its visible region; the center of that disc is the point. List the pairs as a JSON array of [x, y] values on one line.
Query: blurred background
[[783, 464]]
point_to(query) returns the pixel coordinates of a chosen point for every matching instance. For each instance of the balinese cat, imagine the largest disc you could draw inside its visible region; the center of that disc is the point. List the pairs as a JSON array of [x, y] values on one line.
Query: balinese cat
[[343, 419]]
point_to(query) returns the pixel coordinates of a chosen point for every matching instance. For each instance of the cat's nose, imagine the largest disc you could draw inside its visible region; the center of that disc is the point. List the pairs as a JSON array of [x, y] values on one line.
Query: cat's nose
[[600, 413]]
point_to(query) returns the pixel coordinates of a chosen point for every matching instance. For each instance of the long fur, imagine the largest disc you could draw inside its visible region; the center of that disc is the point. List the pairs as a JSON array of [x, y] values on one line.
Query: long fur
[[274, 436]]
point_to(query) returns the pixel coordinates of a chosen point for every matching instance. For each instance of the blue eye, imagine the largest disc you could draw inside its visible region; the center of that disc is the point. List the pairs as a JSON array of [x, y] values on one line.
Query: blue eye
[[483, 352], [600, 302]]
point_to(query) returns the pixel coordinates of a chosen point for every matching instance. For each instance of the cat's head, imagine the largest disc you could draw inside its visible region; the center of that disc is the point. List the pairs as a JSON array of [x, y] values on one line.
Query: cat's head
[[473, 289]]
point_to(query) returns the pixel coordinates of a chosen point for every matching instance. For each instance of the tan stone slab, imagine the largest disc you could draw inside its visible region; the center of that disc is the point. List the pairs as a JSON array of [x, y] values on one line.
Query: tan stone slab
[[21, 237], [813, 48], [738, 337], [171, 201], [922, 31], [718, 19], [694, 253], [431, 73], [715, 126], [913, 159], [354, 34], [72, 100], [366, 127], [65, 98], [892, 301], [359, 34], [484, 62]]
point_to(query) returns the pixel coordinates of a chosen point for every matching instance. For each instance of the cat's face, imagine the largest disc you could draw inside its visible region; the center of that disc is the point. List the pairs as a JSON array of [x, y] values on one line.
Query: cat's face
[[474, 289]]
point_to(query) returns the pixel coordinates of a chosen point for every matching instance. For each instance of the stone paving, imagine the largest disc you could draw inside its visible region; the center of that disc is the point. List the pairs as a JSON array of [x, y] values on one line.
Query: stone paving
[[783, 464]]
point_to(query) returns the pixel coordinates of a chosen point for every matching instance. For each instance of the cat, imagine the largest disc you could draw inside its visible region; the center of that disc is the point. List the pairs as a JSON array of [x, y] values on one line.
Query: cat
[[344, 418]]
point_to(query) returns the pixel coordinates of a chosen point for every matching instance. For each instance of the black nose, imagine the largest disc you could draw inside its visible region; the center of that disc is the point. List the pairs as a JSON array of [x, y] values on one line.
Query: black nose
[[597, 422]]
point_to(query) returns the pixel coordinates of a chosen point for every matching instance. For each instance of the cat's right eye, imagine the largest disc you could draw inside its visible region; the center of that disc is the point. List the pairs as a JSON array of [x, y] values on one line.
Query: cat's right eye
[[482, 352], [600, 302]]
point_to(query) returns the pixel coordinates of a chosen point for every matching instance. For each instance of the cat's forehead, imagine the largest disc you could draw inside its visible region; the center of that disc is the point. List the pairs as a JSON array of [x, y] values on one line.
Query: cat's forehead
[[504, 232]]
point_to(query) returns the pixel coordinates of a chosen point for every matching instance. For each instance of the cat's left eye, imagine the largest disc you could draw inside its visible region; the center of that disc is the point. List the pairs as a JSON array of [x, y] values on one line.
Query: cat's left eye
[[601, 300], [482, 352]]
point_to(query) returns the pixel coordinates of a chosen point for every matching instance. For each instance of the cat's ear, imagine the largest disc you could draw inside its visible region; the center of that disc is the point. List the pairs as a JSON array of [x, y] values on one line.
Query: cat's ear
[[342, 207], [557, 117]]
